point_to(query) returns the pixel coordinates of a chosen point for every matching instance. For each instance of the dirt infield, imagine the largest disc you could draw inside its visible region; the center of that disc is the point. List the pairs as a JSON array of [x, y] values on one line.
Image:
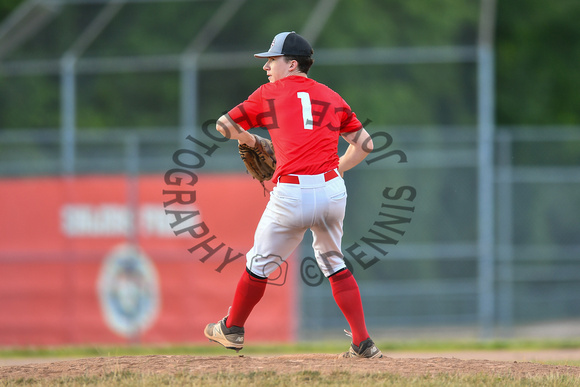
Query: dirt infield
[[400, 364]]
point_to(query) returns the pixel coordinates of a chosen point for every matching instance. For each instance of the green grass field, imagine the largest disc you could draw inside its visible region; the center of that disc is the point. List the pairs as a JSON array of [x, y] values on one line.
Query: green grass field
[[265, 349], [303, 378]]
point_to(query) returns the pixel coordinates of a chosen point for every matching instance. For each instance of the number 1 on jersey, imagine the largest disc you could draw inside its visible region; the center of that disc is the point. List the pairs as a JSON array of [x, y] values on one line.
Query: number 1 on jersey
[[306, 109]]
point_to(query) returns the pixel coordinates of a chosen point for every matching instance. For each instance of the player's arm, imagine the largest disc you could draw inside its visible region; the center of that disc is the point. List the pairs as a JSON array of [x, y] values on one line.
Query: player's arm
[[360, 145], [229, 129]]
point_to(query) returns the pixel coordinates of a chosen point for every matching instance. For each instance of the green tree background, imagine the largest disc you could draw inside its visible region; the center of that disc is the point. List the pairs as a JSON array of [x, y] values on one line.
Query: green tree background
[[537, 51]]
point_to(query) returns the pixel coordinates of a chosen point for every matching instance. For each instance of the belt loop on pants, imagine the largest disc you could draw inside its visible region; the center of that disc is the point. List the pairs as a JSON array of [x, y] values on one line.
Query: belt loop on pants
[[293, 179]]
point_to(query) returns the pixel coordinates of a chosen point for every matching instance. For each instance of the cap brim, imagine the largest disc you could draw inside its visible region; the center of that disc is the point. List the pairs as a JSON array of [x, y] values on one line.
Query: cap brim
[[267, 54]]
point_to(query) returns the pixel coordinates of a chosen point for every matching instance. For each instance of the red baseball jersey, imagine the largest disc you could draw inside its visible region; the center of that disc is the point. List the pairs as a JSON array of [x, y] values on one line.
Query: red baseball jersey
[[304, 118]]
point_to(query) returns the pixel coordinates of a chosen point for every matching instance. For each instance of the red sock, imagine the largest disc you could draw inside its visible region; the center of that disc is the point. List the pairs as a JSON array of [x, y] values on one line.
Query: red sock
[[248, 293], [347, 296]]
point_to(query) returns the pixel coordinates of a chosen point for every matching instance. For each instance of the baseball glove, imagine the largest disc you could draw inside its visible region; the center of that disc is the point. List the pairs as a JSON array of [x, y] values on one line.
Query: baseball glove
[[260, 160]]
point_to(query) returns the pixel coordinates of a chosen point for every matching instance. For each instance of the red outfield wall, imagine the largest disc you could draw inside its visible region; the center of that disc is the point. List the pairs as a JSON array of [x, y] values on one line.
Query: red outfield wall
[[106, 259]]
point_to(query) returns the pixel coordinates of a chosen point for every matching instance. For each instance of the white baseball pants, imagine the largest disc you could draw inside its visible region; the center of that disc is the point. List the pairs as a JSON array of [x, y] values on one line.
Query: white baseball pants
[[292, 209]]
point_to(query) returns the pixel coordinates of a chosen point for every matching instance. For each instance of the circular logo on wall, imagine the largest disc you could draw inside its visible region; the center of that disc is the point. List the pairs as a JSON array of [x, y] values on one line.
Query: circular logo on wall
[[128, 289]]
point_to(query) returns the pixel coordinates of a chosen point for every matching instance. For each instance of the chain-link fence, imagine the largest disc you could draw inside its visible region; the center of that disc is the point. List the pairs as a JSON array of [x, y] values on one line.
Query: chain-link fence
[[448, 222]]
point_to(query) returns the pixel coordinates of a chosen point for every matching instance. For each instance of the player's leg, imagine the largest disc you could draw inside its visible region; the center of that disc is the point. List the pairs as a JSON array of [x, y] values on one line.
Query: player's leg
[[278, 233], [327, 228], [273, 243], [346, 294], [248, 293], [327, 236]]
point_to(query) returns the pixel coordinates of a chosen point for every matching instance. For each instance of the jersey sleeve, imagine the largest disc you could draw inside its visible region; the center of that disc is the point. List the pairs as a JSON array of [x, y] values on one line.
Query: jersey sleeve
[[349, 121], [245, 114]]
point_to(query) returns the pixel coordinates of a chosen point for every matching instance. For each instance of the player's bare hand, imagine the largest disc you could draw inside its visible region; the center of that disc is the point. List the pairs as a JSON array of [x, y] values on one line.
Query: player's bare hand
[[247, 138]]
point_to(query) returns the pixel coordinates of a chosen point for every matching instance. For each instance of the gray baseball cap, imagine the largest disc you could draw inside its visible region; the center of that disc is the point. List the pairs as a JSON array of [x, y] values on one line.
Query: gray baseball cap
[[287, 43]]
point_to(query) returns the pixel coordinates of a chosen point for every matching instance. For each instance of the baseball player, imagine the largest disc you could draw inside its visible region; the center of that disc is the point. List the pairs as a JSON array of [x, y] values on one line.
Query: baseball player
[[305, 120]]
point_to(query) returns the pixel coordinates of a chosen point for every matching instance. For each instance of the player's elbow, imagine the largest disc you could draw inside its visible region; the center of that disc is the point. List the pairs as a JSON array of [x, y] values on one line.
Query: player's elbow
[[367, 145], [221, 126]]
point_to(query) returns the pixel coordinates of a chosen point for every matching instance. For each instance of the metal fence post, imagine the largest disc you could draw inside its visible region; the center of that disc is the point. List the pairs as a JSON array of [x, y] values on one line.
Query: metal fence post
[[68, 114], [505, 234], [485, 177], [189, 102]]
